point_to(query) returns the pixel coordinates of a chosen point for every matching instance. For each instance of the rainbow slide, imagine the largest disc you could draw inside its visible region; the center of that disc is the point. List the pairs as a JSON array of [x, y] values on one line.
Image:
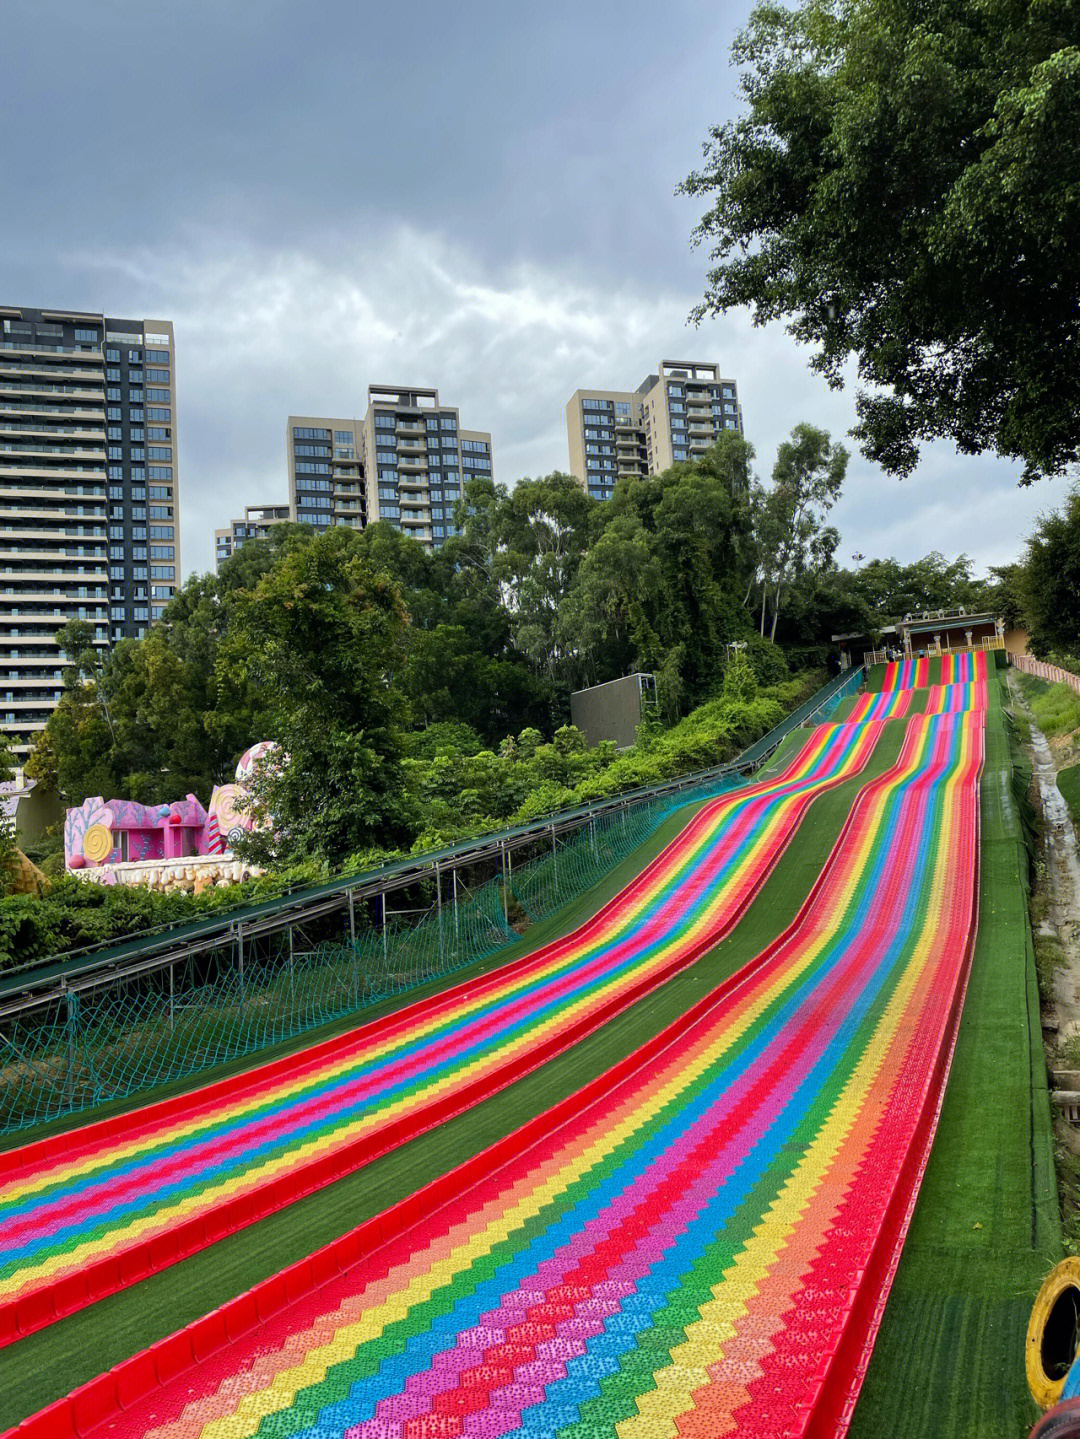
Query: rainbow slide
[[699, 1243], [92, 1211], [914, 674], [892, 705]]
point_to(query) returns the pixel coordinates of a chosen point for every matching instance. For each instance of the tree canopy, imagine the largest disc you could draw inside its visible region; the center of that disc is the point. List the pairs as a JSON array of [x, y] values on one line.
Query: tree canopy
[[903, 188]]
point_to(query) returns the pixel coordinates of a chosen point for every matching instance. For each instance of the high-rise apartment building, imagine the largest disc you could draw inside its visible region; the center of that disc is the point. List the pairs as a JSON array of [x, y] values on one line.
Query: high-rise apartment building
[[88, 493], [326, 471], [255, 524], [417, 458], [405, 462], [675, 414]]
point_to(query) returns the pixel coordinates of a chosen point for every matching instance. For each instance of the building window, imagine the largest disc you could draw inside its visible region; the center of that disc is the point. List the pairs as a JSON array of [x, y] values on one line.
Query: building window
[[159, 452], [308, 432], [160, 472], [113, 355], [157, 357]]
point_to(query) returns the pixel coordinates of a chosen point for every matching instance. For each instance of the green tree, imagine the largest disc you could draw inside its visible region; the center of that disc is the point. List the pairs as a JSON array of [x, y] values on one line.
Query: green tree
[[892, 590], [792, 535], [903, 187], [319, 636], [1050, 580]]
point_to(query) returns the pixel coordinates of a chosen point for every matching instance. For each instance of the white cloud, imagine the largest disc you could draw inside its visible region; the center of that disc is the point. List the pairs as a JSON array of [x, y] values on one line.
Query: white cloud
[[262, 333]]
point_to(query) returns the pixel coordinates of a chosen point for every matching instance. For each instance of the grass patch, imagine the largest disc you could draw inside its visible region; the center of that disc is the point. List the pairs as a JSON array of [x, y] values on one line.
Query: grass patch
[[1068, 1172], [1068, 782], [1056, 707], [1049, 958]]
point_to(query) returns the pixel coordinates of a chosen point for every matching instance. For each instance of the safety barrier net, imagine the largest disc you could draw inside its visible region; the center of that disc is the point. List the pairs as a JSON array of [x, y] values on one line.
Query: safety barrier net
[[132, 1035], [118, 1039]]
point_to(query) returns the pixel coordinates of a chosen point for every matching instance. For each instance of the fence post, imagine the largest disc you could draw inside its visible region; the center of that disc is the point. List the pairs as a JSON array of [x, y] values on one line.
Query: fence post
[[506, 896], [555, 861], [457, 930], [352, 919], [70, 1020], [172, 997], [385, 957], [292, 976], [240, 958], [438, 909]]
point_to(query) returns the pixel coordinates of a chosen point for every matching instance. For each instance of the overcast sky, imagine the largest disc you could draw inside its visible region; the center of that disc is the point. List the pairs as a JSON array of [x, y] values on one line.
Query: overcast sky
[[476, 196]]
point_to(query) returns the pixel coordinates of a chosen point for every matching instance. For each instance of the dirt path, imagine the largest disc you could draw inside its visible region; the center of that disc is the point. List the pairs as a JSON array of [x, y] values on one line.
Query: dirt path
[[1062, 921]]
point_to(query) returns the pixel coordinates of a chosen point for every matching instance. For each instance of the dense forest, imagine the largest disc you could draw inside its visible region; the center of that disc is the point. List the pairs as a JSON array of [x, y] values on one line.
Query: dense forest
[[423, 697]]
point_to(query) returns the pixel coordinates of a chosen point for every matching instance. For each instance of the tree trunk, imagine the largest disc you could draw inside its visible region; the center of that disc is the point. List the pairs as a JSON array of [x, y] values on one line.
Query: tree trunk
[[764, 588], [775, 613]]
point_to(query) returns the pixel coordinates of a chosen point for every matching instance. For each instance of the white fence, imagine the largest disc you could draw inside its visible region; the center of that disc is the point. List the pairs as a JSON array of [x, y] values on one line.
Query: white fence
[[935, 647], [1053, 674]]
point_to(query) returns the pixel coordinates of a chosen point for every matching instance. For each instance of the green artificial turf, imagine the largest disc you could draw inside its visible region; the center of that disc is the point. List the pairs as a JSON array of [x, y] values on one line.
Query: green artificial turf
[[48, 1364], [949, 1359]]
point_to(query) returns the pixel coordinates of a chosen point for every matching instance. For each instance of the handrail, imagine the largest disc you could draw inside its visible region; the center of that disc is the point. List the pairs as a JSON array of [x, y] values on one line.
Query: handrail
[[166, 942]]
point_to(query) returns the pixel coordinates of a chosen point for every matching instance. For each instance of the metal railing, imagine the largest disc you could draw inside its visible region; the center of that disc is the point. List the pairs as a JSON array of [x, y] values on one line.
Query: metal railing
[[933, 649]]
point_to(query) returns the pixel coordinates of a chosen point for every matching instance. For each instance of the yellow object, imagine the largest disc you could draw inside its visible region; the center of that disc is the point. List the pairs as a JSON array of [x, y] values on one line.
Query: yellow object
[[1052, 1334], [97, 843]]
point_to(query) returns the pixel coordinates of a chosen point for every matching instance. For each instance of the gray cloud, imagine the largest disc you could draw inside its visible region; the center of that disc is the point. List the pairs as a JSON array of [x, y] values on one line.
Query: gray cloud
[[481, 199]]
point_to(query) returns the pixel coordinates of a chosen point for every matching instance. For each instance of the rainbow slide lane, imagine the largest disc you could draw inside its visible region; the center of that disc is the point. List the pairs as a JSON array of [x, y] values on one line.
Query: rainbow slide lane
[[95, 1210], [703, 1246], [957, 698], [914, 674], [892, 705]]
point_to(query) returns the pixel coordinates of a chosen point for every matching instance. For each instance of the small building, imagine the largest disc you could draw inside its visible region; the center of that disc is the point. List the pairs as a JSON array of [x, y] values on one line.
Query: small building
[[929, 632], [613, 711], [30, 807]]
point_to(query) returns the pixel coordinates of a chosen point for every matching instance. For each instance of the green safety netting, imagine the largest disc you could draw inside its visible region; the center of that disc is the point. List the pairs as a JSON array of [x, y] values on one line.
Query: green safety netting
[[131, 1035]]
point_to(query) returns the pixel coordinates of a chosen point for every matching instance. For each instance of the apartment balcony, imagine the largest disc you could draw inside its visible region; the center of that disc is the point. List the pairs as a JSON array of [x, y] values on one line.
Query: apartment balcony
[[37, 399], [43, 472], [65, 373]]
